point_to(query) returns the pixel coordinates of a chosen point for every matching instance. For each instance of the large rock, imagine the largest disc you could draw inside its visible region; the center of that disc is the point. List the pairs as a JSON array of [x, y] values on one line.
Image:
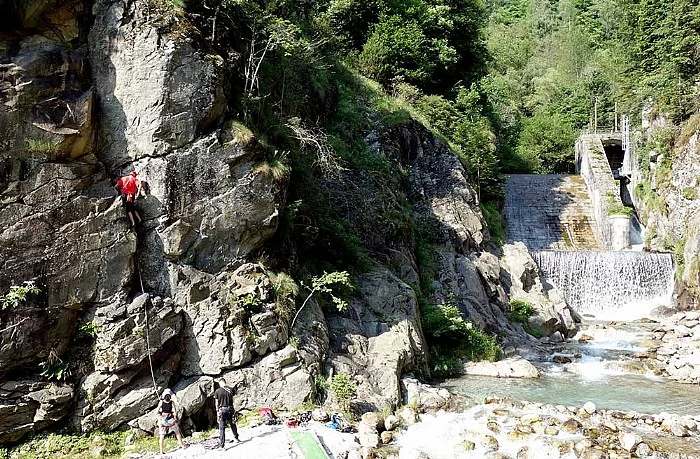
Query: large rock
[[379, 338], [28, 406], [676, 222], [113, 400], [124, 341], [522, 277], [280, 380], [214, 205], [64, 229], [231, 318], [509, 368], [423, 396], [190, 397], [440, 189], [46, 107], [156, 92]]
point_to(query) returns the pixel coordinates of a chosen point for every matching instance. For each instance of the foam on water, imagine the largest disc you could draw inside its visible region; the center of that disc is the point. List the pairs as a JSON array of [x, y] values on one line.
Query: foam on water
[[441, 436]]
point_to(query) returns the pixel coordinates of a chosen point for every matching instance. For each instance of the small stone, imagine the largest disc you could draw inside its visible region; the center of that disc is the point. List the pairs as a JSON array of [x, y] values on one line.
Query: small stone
[[391, 422], [367, 452], [561, 359], [551, 430], [585, 339], [374, 420], [610, 426], [468, 445], [556, 337], [582, 447], [628, 440], [679, 431], [530, 419], [407, 415], [386, 437], [516, 435], [689, 423], [493, 427], [368, 439], [129, 440], [643, 450], [523, 453], [589, 407], [538, 427], [490, 443], [571, 426]]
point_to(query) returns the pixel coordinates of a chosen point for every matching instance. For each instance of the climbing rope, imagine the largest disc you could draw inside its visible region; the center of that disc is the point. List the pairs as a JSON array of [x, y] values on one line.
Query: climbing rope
[[148, 342]]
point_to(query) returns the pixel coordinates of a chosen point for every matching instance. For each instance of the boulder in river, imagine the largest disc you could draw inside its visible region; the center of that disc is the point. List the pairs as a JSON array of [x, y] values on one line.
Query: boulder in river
[[515, 367]]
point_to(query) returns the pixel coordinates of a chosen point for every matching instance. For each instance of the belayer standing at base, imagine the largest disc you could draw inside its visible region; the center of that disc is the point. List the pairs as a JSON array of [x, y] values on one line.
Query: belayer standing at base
[[225, 413], [129, 187], [167, 419]]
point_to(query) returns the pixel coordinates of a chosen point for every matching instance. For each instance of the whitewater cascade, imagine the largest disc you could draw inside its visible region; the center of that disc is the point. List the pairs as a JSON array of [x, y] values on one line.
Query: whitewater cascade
[[620, 285]]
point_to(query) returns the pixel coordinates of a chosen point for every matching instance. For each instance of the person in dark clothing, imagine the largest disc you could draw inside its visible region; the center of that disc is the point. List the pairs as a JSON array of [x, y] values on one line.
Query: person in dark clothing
[[225, 413]]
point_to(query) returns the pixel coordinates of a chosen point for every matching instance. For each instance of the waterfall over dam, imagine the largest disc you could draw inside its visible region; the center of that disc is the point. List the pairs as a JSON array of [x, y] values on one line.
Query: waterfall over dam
[[605, 283]]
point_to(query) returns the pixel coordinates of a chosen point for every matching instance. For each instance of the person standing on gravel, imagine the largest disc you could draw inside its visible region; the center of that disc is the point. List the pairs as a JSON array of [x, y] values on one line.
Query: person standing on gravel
[[225, 413]]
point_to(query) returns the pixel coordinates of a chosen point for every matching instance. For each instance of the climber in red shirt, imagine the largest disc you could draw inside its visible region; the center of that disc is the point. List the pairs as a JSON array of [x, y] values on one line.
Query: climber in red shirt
[[129, 187]]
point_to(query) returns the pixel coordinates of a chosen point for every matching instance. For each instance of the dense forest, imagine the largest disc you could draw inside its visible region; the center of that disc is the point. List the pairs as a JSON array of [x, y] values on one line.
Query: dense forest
[[509, 84]]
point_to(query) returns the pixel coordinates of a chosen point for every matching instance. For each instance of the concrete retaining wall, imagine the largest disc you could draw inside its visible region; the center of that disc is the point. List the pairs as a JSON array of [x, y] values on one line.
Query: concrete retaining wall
[[603, 190]]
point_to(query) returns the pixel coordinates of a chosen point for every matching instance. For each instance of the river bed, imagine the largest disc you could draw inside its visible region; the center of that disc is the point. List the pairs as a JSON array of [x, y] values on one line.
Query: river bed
[[604, 368]]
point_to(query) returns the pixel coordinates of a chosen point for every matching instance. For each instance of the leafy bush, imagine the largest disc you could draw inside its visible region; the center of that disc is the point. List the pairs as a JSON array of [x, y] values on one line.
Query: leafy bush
[[89, 329], [55, 369], [690, 193], [325, 284], [249, 302], [520, 311], [495, 222], [620, 209], [445, 366], [344, 389], [397, 48], [18, 294], [547, 143], [452, 336]]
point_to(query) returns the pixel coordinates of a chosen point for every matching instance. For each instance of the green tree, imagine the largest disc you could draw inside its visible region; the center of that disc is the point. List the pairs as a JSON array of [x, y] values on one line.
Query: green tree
[[546, 143]]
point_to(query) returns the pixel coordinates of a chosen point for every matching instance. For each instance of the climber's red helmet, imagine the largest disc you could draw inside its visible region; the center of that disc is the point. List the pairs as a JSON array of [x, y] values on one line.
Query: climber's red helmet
[[133, 173]]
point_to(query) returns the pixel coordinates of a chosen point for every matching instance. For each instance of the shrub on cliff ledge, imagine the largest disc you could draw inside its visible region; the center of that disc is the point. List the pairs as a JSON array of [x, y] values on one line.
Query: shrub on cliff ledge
[[18, 294], [452, 338]]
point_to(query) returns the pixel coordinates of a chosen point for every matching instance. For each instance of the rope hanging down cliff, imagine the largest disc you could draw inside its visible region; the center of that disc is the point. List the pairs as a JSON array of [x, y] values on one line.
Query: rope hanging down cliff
[[148, 342]]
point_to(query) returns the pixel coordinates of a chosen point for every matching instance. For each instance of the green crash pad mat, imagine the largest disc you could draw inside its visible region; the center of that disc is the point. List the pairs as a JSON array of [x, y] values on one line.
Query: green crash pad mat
[[308, 444]]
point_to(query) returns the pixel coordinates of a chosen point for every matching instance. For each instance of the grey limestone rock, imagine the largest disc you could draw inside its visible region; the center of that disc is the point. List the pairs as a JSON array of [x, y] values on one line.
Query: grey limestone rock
[[552, 314], [380, 338]]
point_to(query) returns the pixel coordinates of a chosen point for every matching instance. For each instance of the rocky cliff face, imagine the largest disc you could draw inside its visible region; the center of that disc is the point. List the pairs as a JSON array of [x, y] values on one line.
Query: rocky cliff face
[[92, 91], [667, 191]]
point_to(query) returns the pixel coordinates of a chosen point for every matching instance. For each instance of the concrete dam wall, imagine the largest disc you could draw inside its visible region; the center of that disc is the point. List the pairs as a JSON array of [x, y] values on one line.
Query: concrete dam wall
[[550, 212]]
